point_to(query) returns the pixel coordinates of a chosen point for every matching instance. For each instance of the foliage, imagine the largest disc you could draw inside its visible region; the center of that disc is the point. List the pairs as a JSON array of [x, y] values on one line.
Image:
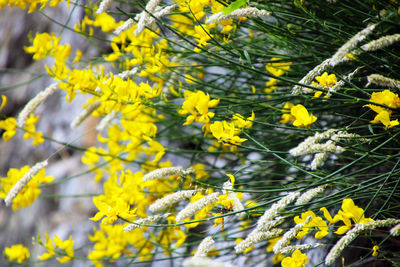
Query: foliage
[[241, 96]]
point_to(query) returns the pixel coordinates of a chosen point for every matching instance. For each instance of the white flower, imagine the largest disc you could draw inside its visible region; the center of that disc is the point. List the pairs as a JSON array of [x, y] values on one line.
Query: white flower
[[34, 103], [194, 207], [382, 81], [171, 199], [165, 172], [204, 247], [264, 223], [85, 114], [289, 235], [14, 191], [310, 194], [238, 13], [104, 5], [151, 219]]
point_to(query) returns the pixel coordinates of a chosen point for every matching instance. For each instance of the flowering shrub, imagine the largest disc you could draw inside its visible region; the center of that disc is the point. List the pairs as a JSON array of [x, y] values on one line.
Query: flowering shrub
[[212, 143]]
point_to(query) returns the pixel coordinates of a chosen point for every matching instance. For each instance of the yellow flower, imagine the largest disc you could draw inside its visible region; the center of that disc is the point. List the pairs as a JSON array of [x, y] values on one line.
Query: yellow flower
[[200, 172], [106, 22], [155, 148], [197, 104], [43, 45], [50, 248], [271, 85], [66, 246], [226, 132], [286, 116], [241, 122], [31, 190], [111, 207], [326, 80], [3, 102], [278, 68], [316, 222], [247, 250], [375, 251], [298, 259], [10, 127], [17, 252], [218, 221], [111, 241], [31, 130], [231, 178], [384, 118], [302, 117], [349, 212], [77, 57], [202, 34], [278, 258], [387, 98]]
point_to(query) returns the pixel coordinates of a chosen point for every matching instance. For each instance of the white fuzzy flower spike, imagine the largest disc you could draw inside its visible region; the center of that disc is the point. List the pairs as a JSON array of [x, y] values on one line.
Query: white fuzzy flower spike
[[382, 42], [149, 220], [34, 103], [204, 247], [269, 214], [311, 146], [255, 237], [249, 12], [171, 199], [338, 57], [104, 5], [343, 242], [127, 24], [85, 114], [166, 172], [194, 207], [310, 194], [106, 120], [290, 249], [145, 20], [395, 231], [14, 191], [289, 235], [382, 81], [236, 203]]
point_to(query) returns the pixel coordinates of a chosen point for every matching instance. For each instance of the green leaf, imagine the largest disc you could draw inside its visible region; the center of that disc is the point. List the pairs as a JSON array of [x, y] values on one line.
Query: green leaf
[[233, 6]]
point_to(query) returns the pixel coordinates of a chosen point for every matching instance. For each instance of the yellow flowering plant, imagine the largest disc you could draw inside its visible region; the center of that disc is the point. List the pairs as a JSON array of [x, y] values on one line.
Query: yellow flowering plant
[[193, 132], [17, 252]]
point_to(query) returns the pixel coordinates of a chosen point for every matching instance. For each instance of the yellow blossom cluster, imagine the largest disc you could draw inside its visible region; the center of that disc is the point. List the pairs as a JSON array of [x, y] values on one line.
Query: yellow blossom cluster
[[57, 247], [17, 252], [277, 67], [31, 130], [349, 212], [141, 109], [10, 126], [29, 193], [298, 114], [385, 98], [31, 4], [111, 241], [197, 104], [325, 81], [297, 259]]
